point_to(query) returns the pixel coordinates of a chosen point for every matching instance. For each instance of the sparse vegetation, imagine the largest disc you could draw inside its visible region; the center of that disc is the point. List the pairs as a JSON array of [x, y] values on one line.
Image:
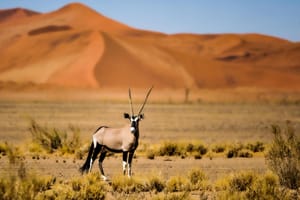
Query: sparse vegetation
[[249, 185], [170, 149], [218, 148], [3, 148], [197, 178], [178, 184], [46, 187], [123, 184], [283, 156], [244, 150], [184, 139], [28, 187], [233, 150], [13, 153], [150, 154], [19, 184], [197, 150], [156, 184], [53, 139], [181, 149], [173, 196], [256, 147], [22, 184]]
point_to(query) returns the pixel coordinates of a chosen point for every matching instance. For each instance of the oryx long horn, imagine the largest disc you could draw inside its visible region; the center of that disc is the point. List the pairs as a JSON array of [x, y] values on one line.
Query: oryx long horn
[[145, 100], [130, 101]]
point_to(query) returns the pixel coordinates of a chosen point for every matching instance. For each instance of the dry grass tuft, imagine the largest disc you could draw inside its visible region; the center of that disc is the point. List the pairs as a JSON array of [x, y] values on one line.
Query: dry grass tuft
[[54, 140], [283, 156], [250, 185]]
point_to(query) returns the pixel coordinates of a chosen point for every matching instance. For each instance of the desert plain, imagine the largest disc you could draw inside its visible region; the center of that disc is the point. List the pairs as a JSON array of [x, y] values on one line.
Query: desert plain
[[214, 121]]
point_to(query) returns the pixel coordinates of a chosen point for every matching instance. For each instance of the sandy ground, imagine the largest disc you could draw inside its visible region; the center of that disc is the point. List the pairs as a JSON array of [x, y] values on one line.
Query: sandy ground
[[65, 168], [212, 122]]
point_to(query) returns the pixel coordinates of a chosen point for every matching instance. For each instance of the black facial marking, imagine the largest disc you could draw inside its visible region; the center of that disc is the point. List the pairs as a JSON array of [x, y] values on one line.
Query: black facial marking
[[126, 116]]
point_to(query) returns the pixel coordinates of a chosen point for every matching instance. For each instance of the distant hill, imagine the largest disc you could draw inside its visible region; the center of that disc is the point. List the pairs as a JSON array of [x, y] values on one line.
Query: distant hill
[[15, 14], [77, 47]]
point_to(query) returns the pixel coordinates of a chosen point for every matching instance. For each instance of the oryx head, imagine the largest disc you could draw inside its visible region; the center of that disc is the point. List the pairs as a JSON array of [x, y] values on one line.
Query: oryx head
[[134, 119]]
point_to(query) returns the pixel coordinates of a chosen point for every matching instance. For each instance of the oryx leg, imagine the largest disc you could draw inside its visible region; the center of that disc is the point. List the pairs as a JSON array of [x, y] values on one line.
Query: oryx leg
[[125, 159], [95, 154], [101, 159], [130, 157]]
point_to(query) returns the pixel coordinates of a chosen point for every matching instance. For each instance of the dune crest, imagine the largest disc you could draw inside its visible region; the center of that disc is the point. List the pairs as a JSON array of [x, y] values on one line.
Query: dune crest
[[9, 15]]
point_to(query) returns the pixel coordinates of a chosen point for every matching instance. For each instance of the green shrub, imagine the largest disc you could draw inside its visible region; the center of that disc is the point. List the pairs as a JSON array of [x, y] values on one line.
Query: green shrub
[[13, 153], [27, 187], [173, 196], [190, 147], [244, 153], [85, 187], [49, 139], [219, 148], [123, 184], [169, 149], [31, 186], [283, 156], [71, 145], [242, 181], [232, 153], [201, 148], [53, 139], [197, 179], [238, 150], [256, 147], [264, 187], [88, 187], [250, 185], [156, 184], [198, 156], [150, 154], [178, 184], [3, 148]]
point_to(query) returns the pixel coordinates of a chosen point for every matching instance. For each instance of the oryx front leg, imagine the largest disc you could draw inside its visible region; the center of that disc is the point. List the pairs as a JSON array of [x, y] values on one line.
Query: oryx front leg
[[130, 157], [125, 158]]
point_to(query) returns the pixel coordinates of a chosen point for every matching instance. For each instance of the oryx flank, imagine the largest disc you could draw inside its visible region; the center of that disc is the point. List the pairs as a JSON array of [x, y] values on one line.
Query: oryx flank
[[118, 140]]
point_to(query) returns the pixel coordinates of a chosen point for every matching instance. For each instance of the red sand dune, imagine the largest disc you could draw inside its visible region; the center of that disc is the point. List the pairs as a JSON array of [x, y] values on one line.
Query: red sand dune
[[77, 47], [15, 14]]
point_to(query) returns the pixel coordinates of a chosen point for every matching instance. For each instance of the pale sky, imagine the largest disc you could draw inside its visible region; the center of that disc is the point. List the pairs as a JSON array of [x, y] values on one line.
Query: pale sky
[[280, 18]]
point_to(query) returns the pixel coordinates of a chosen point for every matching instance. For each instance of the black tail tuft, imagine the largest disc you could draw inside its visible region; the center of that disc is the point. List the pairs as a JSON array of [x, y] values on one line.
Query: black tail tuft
[[86, 166]]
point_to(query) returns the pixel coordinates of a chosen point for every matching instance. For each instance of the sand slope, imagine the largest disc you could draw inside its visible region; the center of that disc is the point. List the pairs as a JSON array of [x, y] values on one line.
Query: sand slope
[[77, 47]]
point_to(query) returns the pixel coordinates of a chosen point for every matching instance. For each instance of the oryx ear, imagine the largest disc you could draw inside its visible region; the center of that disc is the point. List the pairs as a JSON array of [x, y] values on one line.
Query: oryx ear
[[141, 116], [126, 116]]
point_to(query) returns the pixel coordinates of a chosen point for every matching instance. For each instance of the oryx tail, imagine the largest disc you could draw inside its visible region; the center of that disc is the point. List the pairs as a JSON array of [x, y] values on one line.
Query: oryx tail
[[87, 165]]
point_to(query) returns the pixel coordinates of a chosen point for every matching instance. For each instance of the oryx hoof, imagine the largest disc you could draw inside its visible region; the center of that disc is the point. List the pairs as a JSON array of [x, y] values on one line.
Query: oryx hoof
[[104, 178]]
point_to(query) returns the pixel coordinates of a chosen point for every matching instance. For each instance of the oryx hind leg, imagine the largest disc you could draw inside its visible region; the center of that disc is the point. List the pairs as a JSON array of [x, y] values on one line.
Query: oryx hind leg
[[101, 159], [95, 154], [130, 157]]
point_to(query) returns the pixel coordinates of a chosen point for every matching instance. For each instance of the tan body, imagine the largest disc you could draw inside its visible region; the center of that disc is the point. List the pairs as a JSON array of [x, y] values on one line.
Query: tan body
[[116, 139]]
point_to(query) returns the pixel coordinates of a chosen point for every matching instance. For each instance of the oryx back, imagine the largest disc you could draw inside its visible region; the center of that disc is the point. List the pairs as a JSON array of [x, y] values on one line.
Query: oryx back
[[115, 139]]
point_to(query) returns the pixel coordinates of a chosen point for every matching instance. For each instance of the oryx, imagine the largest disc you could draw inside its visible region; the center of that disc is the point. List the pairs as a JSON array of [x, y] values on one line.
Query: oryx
[[118, 140]]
